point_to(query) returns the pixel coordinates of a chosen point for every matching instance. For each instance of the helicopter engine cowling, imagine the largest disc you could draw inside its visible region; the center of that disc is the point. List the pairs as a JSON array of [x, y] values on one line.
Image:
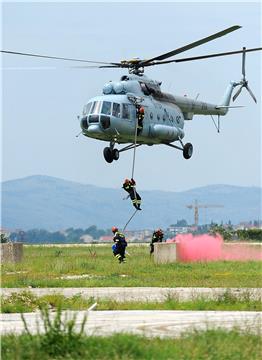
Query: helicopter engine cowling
[[166, 133]]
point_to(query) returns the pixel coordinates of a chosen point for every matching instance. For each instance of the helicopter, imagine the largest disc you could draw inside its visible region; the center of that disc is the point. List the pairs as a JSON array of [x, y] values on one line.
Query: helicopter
[[113, 116]]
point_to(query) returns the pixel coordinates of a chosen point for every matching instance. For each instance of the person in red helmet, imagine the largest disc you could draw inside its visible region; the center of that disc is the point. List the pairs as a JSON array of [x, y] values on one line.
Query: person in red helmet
[[120, 245], [129, 186], [156, 237], [140, 114]]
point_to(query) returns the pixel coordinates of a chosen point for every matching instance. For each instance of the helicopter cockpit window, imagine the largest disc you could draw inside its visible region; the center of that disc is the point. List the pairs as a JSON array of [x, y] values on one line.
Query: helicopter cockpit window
[[95, 107], [106, 108], [116, 110], [87, 108]]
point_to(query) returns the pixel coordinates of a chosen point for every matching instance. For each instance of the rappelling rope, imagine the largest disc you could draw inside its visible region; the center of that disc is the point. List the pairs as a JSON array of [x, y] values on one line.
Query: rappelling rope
[[133, 171], [134, 153], [130, 219]]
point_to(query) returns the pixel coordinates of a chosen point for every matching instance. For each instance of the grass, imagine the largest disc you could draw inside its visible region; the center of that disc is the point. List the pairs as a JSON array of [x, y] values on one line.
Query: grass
[[27, 302], [209, 345], [60, 340], [44, 267]]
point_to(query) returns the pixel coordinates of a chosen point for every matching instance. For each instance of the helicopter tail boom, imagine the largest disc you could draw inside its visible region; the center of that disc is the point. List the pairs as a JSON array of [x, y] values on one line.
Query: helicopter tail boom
[[224, 104]]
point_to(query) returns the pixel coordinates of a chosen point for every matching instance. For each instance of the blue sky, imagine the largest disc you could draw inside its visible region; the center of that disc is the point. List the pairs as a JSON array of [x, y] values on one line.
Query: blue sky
[[42, 98]]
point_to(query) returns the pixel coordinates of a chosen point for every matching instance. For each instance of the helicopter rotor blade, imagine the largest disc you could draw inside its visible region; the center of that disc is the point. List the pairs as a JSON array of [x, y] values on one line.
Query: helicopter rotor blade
[[56, 57], [191, 45], [95, 67], [251, 93], [238, 92], [205, 56]]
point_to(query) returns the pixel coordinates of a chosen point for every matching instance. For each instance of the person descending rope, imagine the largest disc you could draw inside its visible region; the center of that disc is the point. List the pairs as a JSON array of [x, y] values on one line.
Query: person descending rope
[[140, 113], [120, 245], [156, 237], [129, 186]]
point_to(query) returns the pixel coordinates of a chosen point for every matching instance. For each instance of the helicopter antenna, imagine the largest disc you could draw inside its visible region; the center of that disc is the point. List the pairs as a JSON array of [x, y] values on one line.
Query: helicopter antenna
[[217, 125], [197, 96], [81, 132]]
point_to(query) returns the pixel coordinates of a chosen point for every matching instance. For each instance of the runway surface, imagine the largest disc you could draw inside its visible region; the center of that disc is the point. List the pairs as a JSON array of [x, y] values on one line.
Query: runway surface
[[141, 293], [149, 323]]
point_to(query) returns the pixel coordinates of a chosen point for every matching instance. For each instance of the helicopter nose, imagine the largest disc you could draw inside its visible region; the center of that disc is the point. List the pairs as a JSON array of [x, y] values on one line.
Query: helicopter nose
[[94, 129]]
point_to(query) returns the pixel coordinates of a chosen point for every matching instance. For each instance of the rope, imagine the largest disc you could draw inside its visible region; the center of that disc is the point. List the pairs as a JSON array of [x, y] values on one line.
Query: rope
[[134, 154], [130, 219]]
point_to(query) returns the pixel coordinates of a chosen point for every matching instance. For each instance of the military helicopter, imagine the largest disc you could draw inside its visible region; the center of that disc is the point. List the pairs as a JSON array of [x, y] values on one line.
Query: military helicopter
[[113, 116]]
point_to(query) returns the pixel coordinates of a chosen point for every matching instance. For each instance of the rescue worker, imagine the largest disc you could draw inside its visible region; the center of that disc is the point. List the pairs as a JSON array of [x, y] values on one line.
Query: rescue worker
[[129, 186], [156, 237], [140, 113], [120, 245]]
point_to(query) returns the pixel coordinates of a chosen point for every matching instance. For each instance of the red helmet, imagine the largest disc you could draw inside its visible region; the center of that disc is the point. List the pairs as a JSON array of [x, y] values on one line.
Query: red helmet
[[142, 110], [114, 229], [159, 231], [126, 181]]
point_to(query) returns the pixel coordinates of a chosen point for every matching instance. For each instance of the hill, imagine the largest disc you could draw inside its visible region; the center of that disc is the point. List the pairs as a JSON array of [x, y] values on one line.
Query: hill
[[52, 203]]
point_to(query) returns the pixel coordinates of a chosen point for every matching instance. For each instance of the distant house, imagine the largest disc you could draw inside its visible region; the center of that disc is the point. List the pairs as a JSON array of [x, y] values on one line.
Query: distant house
[[86, 238], [106, 238]]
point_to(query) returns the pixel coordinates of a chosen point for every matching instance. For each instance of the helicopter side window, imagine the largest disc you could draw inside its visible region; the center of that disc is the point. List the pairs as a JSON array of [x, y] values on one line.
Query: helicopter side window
[[125, 111], [116, 110], [106, 108], [95, 107]]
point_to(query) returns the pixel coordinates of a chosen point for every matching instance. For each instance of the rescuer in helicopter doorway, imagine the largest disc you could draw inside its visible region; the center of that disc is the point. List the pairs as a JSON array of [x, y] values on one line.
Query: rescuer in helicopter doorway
[[140, 114], [156, 237], [129, 186], [120, 245]]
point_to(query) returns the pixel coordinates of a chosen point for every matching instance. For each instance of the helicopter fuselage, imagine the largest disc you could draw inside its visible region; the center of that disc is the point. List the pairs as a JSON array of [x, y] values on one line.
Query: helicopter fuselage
[[112, 116]]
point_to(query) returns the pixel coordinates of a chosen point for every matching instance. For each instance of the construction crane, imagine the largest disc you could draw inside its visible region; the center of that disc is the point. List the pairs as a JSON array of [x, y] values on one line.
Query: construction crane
[[196, 206]]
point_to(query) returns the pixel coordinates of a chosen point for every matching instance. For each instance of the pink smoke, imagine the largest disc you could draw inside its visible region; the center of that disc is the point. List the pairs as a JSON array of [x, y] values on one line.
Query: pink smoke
[[212, 248]]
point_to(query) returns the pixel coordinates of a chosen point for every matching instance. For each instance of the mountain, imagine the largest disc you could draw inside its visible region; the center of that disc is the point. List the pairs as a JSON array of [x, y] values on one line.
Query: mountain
[[51, 203]]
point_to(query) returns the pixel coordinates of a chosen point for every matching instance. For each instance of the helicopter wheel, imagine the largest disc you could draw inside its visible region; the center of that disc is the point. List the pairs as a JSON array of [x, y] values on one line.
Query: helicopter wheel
[[188, 151], [108, 154], [115, 154]]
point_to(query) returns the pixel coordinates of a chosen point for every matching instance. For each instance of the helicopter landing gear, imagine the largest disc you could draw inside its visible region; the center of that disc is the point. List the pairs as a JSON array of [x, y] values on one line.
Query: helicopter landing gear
[[187, 150], [110, 153], [115, 154]]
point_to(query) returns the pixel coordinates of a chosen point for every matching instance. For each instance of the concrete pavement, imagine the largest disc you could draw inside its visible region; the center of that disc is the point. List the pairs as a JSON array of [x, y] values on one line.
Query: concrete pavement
[[142, 293], [149, 323]]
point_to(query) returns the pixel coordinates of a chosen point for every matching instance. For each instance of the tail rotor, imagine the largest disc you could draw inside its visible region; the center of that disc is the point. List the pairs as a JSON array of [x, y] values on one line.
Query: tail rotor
[[244, 83]]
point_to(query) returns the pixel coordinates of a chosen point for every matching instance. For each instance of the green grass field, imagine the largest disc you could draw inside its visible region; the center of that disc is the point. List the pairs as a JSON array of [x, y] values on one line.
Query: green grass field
[[44, 267], [208, 345], [27, 302]]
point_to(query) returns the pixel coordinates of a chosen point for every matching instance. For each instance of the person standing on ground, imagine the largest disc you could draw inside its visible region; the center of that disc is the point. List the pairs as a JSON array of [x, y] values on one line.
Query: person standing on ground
[[120, 245], [156, 237]]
